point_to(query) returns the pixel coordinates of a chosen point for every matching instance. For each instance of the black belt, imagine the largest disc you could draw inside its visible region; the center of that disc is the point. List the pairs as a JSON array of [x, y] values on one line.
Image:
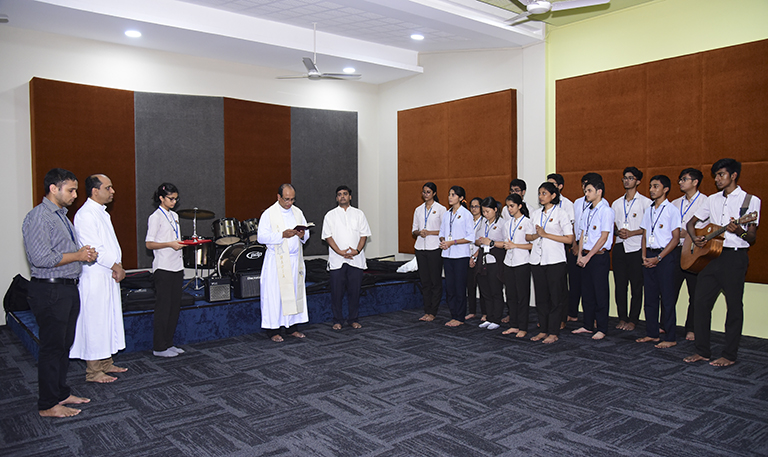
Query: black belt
[[67, 281], [735, 249]]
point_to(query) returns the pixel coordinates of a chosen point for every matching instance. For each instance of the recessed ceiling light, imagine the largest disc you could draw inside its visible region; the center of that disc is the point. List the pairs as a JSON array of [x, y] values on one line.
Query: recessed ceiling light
[[132, 33], [417, 37], [349, 70]]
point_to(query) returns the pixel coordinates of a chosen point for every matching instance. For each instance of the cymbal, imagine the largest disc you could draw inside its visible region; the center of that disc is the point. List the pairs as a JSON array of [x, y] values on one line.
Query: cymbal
[[190, 213]]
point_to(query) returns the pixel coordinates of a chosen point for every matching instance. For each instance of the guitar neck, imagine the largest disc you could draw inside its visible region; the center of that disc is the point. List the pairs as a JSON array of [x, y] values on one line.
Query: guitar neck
[[742, 220], [715, 234]]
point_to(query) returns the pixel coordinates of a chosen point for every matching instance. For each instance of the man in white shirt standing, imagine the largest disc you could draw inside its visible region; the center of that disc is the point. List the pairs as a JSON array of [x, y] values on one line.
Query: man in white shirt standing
[[346, 230], [627, 260]]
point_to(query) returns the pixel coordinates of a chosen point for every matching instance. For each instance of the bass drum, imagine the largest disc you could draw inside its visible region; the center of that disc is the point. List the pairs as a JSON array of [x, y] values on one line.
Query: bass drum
[[226, 231], [238, 259], [249, 229], [202, 254]]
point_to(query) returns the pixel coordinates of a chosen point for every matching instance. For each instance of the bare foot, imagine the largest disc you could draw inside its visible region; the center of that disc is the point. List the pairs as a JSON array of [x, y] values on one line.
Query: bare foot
[[336, 327], [550, 339], [621, 325], [661, 330], [277, 339], [538, 337], [114, 369], [562, 325], [598, 336], [630, 326], [427, 318], [356, 325], [505, 320], [102, 378], [694, 358], [722, 362], [298, 335], [72, 400], [469, 316], [690, 336], [521, 334], [452, 323], [646, 339], [59, 411], [581, 330], [572, 319], [665, 344], [483, 318], [510, 330]]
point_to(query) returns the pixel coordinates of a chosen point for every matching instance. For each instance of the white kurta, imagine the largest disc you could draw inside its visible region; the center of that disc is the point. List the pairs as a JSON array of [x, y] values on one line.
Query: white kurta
[[99, 332], [271, 304]]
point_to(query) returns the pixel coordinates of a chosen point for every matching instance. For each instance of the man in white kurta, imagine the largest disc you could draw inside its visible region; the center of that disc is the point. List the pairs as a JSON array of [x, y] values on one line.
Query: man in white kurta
[[99, 333], [283, 293]]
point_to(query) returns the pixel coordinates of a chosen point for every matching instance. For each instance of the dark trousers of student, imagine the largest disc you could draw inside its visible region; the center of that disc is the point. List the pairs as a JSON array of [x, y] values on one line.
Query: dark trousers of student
[[549, 282], [456, 286], [55, 307], [724, 273], [345, 279], [517, 281], [472, 287], [659, 282], [628, 272], [690, 282], [168, 285], [491, 290], [574, 284], [431, 278], [595, 294]]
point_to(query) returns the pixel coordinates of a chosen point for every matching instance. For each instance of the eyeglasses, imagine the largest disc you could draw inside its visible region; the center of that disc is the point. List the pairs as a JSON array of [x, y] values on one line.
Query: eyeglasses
[[684, 179], [173, 199]]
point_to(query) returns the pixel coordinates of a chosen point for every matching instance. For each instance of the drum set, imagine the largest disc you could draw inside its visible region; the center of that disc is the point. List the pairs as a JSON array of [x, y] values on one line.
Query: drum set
[[232, 250]]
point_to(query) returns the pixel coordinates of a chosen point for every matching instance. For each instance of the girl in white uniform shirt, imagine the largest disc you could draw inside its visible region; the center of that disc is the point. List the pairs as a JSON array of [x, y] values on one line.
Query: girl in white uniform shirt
[[474, 252], [163, 238], [426, 228], [490, 261], [457, 232], [517, 269], [548, 263]]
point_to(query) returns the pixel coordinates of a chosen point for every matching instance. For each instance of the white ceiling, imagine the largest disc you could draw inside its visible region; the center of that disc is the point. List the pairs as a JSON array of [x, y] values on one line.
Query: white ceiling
[[372, 36]]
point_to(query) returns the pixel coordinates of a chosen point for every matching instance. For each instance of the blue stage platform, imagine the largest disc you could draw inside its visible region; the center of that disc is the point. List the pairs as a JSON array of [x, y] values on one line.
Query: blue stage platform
[[212, 321]]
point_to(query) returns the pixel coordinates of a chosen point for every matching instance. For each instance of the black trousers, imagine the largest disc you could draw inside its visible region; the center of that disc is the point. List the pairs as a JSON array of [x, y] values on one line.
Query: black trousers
[[725, 273], [517, 281], [491, 291], [56, 307], [574, 284], [431, 277], [346, 279], [456, 286], [168, 286], [659, 283], [472, 300], [690, 282], [595, 293], [549, 282], [628, 272]]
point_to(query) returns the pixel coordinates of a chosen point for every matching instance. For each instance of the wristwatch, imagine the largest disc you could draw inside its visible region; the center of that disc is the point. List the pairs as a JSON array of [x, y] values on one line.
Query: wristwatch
[[493, 243], [659, 257]]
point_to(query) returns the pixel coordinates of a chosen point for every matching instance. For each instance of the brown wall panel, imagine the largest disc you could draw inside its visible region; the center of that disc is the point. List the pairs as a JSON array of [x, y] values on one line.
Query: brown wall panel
[[87, 130], [257, 155]]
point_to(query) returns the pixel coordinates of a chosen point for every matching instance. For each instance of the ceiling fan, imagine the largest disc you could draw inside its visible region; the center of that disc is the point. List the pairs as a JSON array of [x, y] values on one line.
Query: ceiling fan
[[313, 73], [534, 7]]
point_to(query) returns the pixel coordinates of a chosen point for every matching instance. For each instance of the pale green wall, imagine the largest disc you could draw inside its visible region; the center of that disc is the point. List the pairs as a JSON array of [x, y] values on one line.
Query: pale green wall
[[649, 32]]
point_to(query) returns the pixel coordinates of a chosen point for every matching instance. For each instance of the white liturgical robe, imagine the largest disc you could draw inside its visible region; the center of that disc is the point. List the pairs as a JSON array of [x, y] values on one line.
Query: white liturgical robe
[[99, 333]]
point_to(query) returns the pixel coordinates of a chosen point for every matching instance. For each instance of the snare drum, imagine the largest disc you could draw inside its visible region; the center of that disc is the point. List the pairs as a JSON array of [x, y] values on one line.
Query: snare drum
[[201, 254], [249, 228], [226, 231], [238, 258]]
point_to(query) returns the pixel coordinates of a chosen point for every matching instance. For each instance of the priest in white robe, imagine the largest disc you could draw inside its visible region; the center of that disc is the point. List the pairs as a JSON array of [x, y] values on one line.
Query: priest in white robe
[[99, 333], [283, 293]]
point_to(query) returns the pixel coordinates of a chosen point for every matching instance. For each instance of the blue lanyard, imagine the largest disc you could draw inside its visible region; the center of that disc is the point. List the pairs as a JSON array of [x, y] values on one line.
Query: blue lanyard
[[543, 222], [487, 227], [450, 225], [175, 226], [653, 207], [69, 229], [513, 231], [478, 221], [626, 212], [426, 215], [682, 214], [593, 212]]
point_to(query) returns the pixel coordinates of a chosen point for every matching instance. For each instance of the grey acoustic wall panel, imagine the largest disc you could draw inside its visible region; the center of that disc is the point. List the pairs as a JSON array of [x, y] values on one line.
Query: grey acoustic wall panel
[[323, 157], [179, 139]]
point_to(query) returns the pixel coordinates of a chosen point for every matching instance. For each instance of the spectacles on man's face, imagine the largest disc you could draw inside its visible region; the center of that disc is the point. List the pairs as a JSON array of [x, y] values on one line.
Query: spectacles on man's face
[[684, 179]]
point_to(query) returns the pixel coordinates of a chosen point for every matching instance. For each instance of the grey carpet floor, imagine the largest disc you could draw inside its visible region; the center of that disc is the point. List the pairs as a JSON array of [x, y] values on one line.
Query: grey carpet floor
[[399, 387]]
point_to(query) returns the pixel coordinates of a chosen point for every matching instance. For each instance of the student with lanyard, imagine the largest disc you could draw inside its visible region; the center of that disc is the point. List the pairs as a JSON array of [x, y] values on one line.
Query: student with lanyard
[[426, 228], [517, 268], [574, 271], [164, 239], [567, 206], [490, 261], [474, 251], [686, 206], [596, 235], [661, 233], [548, 265], [456, 234]]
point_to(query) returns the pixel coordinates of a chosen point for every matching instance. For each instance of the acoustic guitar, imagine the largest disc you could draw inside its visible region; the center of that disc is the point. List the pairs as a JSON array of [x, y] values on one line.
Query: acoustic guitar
[[694, 258]]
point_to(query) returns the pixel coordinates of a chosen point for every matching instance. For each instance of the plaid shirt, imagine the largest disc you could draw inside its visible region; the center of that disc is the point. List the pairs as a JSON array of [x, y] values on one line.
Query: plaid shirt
[[48, 235]]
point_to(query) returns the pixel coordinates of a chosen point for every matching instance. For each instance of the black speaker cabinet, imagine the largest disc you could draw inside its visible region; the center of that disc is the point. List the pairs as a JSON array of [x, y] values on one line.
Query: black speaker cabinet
[[217, 289], [246, 285]]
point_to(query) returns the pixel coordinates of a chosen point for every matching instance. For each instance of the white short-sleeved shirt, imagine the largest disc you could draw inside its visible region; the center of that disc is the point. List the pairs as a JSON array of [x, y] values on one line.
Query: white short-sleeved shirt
[[720, 209], [429, 220], [596, 221], [556, 222], [163, 227], [346, 228], [686, 209], [515, 231], [478, 224], [659, 224], [579, 206], [567, 206], [629, 214], [456, 227], [493, 231]]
